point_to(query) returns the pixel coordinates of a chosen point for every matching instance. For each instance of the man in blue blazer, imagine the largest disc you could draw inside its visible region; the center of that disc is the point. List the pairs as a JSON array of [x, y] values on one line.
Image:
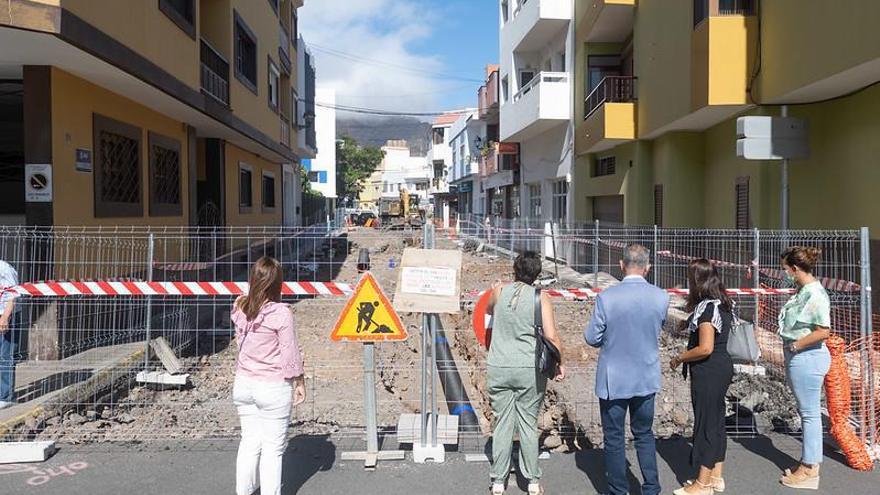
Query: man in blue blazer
[[626, 328]]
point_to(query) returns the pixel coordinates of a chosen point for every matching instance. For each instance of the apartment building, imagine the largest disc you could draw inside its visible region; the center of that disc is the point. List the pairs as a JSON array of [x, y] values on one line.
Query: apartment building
[[467, 134], [399, 170], [322, 169], [163, 112], [439, 161], [536, 107], [659, 85]]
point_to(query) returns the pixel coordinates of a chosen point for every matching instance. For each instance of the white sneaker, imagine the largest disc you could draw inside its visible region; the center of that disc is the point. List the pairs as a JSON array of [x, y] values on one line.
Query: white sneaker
[[4, 404]]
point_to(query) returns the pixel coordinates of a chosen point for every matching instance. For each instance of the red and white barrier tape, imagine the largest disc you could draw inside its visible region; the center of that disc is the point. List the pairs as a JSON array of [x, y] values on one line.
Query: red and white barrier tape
[[140, 288], [135, 289]]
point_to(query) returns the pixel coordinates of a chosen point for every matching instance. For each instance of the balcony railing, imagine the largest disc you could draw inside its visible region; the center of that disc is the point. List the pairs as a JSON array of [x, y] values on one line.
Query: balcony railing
[[214, 73], [489, 163], [489, 94], [707, 8], [612, 89], [543, 77], [284, 47]]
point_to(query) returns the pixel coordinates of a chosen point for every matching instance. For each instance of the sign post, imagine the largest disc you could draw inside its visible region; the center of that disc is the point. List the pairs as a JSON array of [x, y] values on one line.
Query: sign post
[[369, 318]]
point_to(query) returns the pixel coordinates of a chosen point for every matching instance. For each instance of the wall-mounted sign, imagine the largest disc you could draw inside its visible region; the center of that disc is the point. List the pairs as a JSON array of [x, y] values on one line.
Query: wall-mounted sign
[[508, 148], [499, 179], [38, 183], [83, 160]]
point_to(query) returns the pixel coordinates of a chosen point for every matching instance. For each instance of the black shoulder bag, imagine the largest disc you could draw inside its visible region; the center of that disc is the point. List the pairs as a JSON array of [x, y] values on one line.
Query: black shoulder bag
[[546, 354]]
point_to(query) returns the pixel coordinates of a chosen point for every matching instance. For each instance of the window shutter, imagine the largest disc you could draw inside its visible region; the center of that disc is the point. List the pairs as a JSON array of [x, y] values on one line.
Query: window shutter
[[743, 213]]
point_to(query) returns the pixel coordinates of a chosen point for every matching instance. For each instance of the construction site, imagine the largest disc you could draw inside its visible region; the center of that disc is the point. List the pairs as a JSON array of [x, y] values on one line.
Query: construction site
[[114, 362]]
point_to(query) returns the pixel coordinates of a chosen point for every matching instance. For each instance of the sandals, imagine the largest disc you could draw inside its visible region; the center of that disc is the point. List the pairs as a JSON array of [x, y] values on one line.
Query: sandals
[[717, 484], [805, 479], [703, 489]]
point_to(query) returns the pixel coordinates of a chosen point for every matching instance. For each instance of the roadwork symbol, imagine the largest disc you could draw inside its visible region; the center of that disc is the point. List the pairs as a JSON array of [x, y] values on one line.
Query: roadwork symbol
[[368, 316]]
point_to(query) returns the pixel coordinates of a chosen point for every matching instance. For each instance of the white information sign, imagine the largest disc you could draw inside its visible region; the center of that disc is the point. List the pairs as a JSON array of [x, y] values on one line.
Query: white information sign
[[428, 281], [38, 183]]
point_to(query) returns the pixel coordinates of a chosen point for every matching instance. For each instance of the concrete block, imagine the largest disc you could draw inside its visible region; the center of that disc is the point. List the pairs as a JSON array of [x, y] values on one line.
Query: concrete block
[[162, 378], [21, 452]]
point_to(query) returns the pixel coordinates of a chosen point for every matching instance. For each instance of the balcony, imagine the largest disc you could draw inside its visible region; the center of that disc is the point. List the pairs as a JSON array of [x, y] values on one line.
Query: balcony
[[488, 96], [610, 111], [612, 89], [489, 161], [214, 74], [535, 24], [606, 21], [540, 105], [284, 48]]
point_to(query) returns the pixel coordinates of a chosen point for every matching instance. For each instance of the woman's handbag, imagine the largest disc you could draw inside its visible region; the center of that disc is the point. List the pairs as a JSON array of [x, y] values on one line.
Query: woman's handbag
[[547, 356], [741, 343]]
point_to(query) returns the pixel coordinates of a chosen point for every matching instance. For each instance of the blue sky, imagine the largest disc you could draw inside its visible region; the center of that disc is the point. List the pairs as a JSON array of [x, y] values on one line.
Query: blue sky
[[394, 54]]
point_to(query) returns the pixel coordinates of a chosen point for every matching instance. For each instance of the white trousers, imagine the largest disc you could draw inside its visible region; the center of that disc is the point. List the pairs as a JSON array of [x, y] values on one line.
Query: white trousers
[[264, 412]]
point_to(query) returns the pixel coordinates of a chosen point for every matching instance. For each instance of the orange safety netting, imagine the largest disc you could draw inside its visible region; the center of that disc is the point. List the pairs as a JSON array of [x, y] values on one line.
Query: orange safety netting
[[839, 396]]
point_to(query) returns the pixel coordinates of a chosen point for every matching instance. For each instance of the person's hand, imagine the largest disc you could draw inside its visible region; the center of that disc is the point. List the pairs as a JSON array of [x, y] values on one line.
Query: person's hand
[[674, 363], [561, 375], [497, 285], [299, 391], [4, 324]]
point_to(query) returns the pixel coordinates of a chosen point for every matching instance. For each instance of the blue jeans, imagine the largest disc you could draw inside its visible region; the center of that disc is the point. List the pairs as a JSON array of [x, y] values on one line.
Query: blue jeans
[[641, 419], [8, 341], [806, 372]]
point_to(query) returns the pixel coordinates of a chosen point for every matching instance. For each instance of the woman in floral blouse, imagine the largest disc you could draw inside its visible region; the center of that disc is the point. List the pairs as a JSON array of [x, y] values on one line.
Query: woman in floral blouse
[[804, 324]]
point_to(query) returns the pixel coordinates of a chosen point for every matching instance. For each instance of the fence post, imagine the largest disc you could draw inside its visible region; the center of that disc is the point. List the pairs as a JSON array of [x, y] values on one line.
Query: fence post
[[149, 317], [596, 254], [868, 433], [656, 266], [756, 270]]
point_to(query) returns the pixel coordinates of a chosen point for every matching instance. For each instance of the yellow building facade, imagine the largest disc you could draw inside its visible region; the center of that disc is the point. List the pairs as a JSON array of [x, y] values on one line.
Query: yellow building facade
[[659, 85], [164, 112]]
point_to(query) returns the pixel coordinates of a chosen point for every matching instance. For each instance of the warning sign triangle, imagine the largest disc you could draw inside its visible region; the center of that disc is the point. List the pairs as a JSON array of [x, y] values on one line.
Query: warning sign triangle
[[368, 316]]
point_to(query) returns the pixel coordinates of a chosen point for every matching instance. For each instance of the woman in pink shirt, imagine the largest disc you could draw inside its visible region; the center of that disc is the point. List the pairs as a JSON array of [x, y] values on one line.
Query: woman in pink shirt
[[269, 369]]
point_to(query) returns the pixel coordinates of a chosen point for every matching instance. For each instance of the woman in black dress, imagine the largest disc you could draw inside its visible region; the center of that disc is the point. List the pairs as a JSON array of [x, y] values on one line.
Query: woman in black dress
[[711, 371]]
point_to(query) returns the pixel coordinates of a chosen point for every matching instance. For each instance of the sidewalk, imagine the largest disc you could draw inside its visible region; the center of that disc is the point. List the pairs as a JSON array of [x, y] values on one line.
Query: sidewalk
[[312, 466]]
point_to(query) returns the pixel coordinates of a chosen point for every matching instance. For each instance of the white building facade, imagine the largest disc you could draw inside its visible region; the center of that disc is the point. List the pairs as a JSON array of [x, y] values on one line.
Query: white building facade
[[468, 134], [322, 169], [400, 170], [536, 104]]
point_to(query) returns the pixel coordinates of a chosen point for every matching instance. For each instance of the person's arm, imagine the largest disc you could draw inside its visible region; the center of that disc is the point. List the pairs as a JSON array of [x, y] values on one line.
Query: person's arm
[[595, 332], [7, 315], [702, 350], [818, 335], [494, 298], [548, 320], [291, 357]]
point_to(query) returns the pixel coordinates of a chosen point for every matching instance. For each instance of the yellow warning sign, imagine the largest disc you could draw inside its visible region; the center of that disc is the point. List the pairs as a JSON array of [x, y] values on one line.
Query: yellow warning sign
[[368, 316]]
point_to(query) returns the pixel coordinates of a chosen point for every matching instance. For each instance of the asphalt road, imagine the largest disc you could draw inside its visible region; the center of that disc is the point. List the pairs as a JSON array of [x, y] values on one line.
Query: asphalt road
[[312, 466]]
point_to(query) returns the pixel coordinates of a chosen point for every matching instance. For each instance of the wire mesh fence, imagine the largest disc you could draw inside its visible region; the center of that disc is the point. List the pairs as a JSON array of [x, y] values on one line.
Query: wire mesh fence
[[80, 353]]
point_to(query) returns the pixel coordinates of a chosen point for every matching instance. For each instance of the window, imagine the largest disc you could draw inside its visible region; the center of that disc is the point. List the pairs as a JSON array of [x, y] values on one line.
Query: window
[[439, 135], [604, 166], [245, 188], [268, 191], [560, 201], [701, 11], [743, 212], [535, 200], [117, 170], [274, 85], [294, 26], [505, 11], [182, 13], [736, 7], [165, 199], [658, 205], [505, 89], [294, 103], [525, 77], [599, 67], [245, 54]]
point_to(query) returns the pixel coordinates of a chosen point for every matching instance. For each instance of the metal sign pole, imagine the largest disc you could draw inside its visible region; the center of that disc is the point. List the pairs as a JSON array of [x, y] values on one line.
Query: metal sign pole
[[370, 405], [423, 411]]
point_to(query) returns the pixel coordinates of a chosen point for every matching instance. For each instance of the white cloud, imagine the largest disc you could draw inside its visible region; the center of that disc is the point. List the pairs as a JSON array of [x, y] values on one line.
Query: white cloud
[[380, 30]]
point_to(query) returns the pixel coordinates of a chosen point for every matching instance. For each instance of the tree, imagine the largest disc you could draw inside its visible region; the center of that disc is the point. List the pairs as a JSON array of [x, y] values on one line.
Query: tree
[[354, 164]]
